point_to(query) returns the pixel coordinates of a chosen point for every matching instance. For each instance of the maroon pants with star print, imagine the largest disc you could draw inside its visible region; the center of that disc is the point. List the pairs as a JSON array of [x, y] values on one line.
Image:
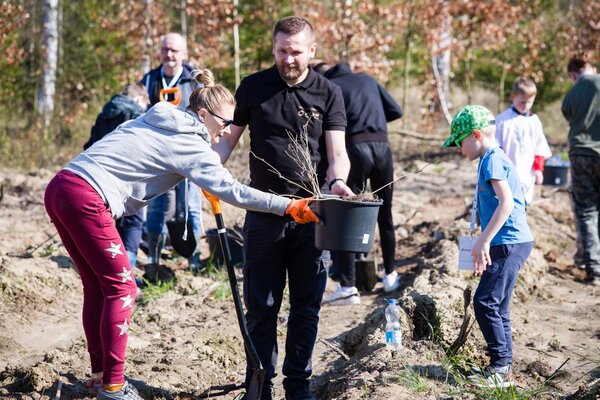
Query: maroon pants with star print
[[88, 232]]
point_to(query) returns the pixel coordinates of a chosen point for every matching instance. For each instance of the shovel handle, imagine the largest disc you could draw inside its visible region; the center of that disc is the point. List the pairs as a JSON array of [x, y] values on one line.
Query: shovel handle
[[214, 201]]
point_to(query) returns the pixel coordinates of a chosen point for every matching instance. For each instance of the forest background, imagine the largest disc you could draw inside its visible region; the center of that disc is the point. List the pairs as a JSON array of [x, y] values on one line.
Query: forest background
[[63, 59]]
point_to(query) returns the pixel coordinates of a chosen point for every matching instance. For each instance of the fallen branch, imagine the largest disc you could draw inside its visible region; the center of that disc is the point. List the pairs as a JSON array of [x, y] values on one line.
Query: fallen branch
[[586, 391], [29, 254], [335, 348], [219, 390], [465, 327], [416, 135]]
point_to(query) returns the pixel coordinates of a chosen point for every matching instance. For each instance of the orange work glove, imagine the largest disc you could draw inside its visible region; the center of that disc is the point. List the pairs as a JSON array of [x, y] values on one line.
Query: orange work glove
[[300, 211]]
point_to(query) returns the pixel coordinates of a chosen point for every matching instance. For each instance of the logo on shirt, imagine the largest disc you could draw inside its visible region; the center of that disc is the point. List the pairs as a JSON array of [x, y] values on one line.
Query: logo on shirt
[[312, 113]]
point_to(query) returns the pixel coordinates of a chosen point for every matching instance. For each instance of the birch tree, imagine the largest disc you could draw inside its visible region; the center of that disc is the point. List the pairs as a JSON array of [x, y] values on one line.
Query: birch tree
[[49, 61]]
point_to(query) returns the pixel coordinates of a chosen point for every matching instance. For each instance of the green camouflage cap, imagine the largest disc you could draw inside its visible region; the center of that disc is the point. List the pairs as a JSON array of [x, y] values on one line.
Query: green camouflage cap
[[467, 120]]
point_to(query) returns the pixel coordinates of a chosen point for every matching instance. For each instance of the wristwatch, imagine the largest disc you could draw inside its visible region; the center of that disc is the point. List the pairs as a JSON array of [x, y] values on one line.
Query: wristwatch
[[334, 180]]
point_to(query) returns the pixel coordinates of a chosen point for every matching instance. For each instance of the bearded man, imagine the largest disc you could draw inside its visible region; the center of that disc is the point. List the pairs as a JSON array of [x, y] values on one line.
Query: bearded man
[[288, 99]]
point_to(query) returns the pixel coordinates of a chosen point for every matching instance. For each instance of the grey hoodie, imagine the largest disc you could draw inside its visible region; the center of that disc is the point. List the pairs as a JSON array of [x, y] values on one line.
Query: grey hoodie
[[147, 156]]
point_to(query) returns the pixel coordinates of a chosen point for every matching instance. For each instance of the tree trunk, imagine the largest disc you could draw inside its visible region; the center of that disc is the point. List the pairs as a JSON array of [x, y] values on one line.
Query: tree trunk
[[501, 87], [47, 86], [147, 57], [407, 45], [441, 63], [236, 43], [468, 85], [183, 16], [346, 18]]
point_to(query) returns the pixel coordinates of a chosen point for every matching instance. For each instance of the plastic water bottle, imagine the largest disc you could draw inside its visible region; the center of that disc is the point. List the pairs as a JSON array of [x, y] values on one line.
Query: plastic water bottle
[[393, 332]]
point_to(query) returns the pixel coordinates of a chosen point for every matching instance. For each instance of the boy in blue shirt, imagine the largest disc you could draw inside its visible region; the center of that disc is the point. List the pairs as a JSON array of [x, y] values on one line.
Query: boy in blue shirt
[[505, 241]]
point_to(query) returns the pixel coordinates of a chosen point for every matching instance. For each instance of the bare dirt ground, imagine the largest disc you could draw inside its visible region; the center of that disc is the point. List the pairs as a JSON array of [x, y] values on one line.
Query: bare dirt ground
[[186, 341]]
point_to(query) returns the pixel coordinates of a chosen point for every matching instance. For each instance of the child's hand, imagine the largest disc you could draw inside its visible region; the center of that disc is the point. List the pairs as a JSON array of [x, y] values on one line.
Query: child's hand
[[539, 177], [481, 256]]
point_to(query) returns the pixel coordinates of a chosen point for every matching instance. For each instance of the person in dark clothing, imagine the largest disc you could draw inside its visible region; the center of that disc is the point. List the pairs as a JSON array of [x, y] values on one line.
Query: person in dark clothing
[[369, 107], [176, 76], [129, 104], [581, 108], [281, 104]]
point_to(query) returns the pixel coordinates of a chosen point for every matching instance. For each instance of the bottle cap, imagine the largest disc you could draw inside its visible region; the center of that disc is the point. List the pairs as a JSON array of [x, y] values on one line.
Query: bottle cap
[[391, 301]]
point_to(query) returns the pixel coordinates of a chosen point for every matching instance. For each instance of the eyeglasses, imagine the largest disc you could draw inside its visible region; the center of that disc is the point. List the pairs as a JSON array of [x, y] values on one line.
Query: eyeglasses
[[166, 50], [226, 122], [458, 141]]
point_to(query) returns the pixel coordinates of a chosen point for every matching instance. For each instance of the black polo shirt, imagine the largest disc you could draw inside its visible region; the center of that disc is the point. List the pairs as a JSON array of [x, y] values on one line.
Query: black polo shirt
[[272, 109]]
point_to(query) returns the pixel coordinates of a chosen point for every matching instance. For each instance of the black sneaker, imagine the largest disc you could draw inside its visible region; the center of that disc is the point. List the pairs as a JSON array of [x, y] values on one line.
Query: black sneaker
[[592, 279], [265, 394], [297, 392]]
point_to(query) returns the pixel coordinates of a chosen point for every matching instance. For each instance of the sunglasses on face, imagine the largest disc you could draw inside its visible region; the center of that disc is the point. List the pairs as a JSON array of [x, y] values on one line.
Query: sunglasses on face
[[458, 141], [225, 122]]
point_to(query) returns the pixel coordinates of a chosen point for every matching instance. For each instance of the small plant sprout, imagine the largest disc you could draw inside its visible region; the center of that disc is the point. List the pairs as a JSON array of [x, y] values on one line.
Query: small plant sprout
[[413, 380], [154, 291]]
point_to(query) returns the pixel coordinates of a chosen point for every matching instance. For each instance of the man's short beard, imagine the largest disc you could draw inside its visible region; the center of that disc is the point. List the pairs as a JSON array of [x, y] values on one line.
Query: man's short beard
[[289, 74]]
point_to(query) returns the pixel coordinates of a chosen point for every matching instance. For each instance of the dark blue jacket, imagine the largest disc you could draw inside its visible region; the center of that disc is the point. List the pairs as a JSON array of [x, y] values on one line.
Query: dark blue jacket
[[153, 83], [369, 107], [118, 110]]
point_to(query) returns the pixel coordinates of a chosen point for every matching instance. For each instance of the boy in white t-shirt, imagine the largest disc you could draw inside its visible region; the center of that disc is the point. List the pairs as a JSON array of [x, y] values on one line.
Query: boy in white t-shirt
[[520, 134]]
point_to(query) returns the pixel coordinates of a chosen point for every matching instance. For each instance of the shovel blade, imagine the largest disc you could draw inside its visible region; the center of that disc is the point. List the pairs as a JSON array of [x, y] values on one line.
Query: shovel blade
[[256, 383]]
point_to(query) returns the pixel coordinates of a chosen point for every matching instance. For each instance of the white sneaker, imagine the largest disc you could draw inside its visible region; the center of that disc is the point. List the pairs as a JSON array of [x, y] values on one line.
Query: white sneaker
[[344, 295], [127, 392], [391, 282], [492, 377]]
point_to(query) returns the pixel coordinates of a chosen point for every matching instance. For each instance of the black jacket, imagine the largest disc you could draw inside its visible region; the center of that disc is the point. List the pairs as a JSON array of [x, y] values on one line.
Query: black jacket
[[118, 110], [369, 107]]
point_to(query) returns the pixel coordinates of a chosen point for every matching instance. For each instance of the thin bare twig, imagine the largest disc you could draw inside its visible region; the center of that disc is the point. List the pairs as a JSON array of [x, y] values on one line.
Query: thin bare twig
[[406, 175], [543, 352], [274, 170], [29, 254], [299, 152], [335, 348], [553, 375]]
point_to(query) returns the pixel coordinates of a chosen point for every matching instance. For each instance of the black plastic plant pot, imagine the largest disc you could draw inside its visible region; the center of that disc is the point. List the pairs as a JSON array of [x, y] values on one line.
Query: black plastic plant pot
[[556, 175], [236, 246], [346, 225]]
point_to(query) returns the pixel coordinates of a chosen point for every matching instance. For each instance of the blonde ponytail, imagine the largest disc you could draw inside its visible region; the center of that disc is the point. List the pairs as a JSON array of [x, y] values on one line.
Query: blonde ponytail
[[204, 76], [211, 96]]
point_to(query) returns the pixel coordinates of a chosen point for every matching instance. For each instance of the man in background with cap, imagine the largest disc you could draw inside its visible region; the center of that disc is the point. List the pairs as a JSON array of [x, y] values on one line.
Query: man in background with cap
[[505, 241]]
